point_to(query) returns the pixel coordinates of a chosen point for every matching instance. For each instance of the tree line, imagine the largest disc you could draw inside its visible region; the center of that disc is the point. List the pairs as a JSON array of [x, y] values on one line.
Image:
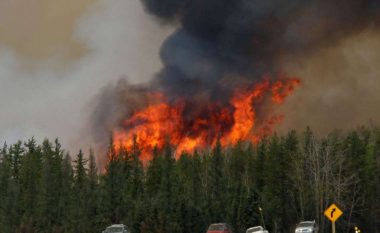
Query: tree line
[[277, 183]]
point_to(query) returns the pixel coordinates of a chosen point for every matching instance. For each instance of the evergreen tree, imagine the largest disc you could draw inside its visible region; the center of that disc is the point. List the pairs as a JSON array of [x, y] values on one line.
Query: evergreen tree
[[168, 200], [154, 173], [6, 191], [217, 185], [135, 189], [16, 153], [30, 178], [92, 200], [66, 203], [112, 185], [80, 221], [48, 216]]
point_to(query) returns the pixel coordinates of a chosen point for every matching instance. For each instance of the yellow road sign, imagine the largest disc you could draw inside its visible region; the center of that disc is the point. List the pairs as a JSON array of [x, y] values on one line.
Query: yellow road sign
[[333, 213]]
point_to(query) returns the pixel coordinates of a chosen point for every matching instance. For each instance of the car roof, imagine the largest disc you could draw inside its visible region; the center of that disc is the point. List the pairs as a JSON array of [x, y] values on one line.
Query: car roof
[[255, 227], [117, 225]]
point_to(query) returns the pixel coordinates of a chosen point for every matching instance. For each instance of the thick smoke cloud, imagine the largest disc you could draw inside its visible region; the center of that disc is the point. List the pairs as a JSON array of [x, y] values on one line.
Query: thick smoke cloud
[[217, 39], [221, 45]]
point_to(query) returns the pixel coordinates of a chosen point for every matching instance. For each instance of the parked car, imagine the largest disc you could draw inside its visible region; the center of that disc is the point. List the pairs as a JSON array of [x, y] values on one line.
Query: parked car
[[116, 228], [258, 229], [307, 227], [219, 228]]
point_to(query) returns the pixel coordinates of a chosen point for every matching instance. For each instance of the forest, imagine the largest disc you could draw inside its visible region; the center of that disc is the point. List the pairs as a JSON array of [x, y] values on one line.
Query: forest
[[277, 182]]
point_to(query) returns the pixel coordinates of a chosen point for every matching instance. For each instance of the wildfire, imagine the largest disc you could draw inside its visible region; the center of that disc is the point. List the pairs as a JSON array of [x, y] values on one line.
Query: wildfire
[[190, 126]]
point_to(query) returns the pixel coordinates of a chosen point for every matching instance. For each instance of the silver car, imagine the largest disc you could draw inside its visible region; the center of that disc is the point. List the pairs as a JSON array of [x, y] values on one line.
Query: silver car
[[116, 228], [307, 227], [258, 229]]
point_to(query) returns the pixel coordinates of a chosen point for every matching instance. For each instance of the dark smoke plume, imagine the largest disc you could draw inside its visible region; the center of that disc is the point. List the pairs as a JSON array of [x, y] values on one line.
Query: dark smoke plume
[[245, 38], [223, 44]]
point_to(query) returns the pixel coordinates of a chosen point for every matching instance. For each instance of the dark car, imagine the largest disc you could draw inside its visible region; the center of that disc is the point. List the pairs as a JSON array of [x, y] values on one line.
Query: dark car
[[219, 228]]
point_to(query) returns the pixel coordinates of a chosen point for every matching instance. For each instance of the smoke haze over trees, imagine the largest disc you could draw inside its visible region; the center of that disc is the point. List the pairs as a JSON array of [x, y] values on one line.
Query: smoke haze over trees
[[292, 178]]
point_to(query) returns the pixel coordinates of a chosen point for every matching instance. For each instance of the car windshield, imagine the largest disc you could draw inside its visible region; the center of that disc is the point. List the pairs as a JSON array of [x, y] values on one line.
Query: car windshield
[[254, 229], [305, 224], [216, 227], [114, 229]]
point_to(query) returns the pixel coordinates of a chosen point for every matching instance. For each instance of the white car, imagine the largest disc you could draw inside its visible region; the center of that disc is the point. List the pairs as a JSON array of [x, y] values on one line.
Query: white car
[[258, 229], [307, 227], [116, 228]]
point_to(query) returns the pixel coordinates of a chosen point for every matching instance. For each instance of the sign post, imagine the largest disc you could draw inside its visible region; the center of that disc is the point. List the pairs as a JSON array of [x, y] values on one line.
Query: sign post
[[333, 227], [333, 213]]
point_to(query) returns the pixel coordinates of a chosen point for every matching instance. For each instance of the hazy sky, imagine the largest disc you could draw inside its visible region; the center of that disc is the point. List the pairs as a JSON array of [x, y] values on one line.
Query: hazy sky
[[55, 56], [39, 28]]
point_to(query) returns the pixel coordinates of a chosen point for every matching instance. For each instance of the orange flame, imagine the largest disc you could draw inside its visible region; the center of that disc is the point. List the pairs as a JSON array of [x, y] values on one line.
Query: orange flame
[[160, 119]]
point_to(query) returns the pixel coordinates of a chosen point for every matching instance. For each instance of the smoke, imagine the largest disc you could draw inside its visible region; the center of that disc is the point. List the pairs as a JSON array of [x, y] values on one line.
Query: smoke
[[217, 46], [341, 86], [48, 94], [247, 38], [222, 45]]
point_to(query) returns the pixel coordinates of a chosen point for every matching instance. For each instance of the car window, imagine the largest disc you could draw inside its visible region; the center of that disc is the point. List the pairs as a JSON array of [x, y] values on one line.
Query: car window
[[254, 229], [306, 224], [216, 227], [114, 229]]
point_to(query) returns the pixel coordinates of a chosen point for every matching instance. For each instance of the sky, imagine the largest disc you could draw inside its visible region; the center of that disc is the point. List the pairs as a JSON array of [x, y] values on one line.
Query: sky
[[56, 56]]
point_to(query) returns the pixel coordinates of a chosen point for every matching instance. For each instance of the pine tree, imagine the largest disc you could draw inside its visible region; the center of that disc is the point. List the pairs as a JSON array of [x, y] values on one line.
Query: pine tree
[[135, 188], [16, 154], [48, 215], [80, 221], [168, 199], [217, 185], [277, 189], [30, 178], [112, 185], [154, 173], [92, 200], [190, 195], [6, 204], [66, 203]]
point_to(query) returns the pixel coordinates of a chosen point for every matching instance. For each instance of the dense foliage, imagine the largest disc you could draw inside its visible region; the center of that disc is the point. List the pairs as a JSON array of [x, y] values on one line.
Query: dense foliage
[[290, 178]]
